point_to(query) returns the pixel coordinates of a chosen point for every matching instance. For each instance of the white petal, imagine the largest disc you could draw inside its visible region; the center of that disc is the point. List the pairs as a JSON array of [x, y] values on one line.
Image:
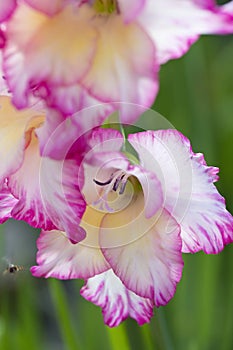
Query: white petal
[[117, 302], [57, 257], [175, 25]]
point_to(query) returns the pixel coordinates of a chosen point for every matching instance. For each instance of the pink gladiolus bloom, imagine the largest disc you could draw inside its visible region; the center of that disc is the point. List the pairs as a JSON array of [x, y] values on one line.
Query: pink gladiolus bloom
[[142, 214], [75, 54]]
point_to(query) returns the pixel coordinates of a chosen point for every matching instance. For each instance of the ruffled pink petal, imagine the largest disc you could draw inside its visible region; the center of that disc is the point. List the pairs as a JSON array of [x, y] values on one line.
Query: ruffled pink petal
[[57, 257], [72, 132], [105, 140], [190, 195], [127, 69], [6, 9], [144, 253], [43, 51], [7, 203], [117, 302], [72, 98], [13, 125], [130, 9], [48, 7], [175, 25], [48, 193]]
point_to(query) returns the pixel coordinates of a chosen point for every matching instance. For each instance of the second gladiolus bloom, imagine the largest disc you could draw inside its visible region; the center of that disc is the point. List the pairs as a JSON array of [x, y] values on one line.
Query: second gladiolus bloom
[[143, 211]]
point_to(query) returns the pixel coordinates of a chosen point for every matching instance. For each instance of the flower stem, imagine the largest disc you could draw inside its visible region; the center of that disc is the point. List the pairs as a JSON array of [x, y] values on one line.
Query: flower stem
[[124, 137], [118, 338], [67, 329]]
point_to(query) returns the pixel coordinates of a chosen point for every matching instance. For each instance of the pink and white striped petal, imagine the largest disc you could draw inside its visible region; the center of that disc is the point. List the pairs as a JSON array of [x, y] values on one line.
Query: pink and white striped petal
[[206, 224], [117, 302], [72, 98], [7, 7], [8, 201], [71, 131], [13, 126], [175, 25], [105, 140], [144, 253], [57, 257], [190, 195], [48, 193], [32, 44]]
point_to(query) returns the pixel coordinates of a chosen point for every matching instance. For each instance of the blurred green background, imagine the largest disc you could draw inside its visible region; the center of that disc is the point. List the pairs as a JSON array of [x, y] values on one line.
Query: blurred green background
[[196, 96]]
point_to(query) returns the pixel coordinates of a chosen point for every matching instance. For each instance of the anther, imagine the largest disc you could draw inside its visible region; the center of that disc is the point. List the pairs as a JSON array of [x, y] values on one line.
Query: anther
[[123, 185], [117, 182]]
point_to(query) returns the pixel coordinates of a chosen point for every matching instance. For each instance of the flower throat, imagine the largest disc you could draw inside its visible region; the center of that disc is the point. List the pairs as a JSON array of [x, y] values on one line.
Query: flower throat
[[105, 6]]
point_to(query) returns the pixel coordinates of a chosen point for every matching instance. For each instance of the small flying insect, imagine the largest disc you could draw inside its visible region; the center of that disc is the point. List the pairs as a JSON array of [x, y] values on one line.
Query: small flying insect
[[12, 269]]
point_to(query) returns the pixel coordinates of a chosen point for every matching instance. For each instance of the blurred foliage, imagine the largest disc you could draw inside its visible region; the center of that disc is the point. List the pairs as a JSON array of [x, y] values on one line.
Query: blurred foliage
[[196, 95]]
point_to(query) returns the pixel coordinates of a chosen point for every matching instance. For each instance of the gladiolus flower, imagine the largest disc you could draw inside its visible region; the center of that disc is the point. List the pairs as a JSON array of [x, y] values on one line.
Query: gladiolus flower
[[143, 211], [74, 54]]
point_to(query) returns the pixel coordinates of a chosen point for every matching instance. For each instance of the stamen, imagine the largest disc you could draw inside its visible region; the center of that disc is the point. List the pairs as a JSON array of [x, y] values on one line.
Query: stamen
[[123, 185], [117, 182]]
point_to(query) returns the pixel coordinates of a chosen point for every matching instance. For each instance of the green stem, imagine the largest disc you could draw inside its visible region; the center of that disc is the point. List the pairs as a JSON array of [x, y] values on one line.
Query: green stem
[[146, 337], [118, 338], [124, 137], [63, 315]]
